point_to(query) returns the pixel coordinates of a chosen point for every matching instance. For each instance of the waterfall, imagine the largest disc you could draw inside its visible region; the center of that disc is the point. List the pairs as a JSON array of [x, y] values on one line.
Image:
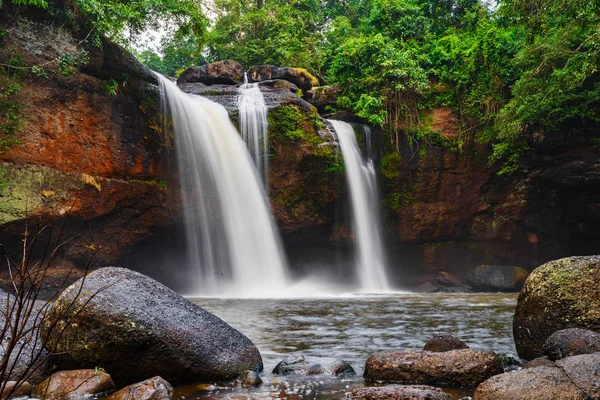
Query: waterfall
[[361, 178], [233, 244], [253, 124]]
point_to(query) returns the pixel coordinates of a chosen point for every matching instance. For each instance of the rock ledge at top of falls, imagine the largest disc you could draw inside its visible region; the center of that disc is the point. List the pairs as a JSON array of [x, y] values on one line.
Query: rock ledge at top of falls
[[558, 295], [298, 76], [456, 367], [220, 72], [137, 328]]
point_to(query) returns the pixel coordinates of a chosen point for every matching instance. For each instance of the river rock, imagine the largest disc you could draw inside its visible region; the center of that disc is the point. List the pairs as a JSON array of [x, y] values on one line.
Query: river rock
[[539, 362], [298, 76], [300, 366], [399, 392], [11, 390], [74, 383], [571, 342], [220, 72], [584, 372], [442, 343], [532, 383], [558, 295], [249, 379], [456, 367], [497, 278], [138, 328], [151, 389]]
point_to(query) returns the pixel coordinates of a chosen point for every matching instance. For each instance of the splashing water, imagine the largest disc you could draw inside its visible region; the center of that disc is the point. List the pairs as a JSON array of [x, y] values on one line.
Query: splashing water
[[234, 247], [361, 178], [253, 124]]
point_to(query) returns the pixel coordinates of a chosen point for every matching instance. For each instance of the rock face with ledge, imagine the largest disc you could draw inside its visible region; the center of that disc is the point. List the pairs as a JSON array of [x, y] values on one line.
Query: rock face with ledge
[[456, 367], [137, 328], [558, 295]]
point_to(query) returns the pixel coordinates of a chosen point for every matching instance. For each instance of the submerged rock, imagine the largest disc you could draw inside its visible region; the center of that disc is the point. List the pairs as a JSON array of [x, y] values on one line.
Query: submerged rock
[[399, 392], [74, 383], [151, 389], [526, 384], [571, 342], [221, 72], [558, 295], [456, 367], [138, 328], [497, 278], [249, 379], [442, 343], [300, 366]]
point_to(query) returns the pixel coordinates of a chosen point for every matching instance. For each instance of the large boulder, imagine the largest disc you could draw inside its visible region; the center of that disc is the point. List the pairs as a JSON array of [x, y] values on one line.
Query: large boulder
[[558, 295], [83, 382], [298, 76], [457, 367], [323, 96], [584, 372], [571, 342], [137, 328], [151, 389], [441, 343], [532, 383], [500, 278], [221, 72], [399, 392]]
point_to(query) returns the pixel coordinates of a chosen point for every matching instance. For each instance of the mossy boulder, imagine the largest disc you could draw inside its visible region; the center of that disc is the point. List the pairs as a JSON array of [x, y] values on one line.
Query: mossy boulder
[[298, 76], [558, 295], [137, 328], [220, 72]]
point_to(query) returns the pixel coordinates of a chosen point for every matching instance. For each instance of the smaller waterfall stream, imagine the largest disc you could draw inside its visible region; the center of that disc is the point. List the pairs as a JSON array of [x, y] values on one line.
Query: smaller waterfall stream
[[253, 124], [360, 174], [232, 239]]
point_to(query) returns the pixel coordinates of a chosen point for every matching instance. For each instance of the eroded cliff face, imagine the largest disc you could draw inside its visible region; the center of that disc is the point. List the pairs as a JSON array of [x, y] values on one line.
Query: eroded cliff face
[[98, 157]]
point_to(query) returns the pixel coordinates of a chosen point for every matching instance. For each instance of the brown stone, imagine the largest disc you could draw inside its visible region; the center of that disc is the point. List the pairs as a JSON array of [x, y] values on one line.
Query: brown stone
[[571, 342], [540, 383], [442, 343], [584, 372], [74, 383], [151, 389], [24, 389], [399, 392], [539, 362], [221, 72], [456, 367]]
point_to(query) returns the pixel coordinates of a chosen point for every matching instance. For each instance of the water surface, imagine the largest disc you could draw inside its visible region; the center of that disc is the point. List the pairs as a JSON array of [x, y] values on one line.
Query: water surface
[[352, 328]]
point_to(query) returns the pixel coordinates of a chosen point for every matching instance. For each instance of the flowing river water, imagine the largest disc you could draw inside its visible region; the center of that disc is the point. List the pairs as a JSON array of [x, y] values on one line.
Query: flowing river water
[[352, 328]]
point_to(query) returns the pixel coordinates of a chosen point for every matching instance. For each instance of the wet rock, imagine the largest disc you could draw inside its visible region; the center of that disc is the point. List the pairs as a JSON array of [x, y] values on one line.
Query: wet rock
[[249, 379], [323, 96], [399, 392], [558, 295], [442, 343], [74, 383], [526, 384], [497, 278], [584, 372], [456, 367], [29, 356], [279, 84], [539, 362], [436, 287], [151, 389], [446, 279], [159, 334], [298, 76], [300, 366], [571, 342], [11, 390], [220, 72]]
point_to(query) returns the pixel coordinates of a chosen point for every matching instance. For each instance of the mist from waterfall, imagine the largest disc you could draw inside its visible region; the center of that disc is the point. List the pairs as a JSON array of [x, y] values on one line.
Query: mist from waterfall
[[233, 244], [362, 183], [253, 124]]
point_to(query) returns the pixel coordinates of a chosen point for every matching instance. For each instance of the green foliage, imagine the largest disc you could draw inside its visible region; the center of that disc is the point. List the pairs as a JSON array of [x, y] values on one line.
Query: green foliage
[[390, 166], [111, 87], [70, 61], [11, 108], [287, 121], [37, 3]]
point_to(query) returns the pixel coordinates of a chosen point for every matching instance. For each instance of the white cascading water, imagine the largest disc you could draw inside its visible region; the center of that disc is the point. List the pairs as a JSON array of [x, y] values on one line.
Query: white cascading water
[[232, 240], [362, 182], [253, 124]]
